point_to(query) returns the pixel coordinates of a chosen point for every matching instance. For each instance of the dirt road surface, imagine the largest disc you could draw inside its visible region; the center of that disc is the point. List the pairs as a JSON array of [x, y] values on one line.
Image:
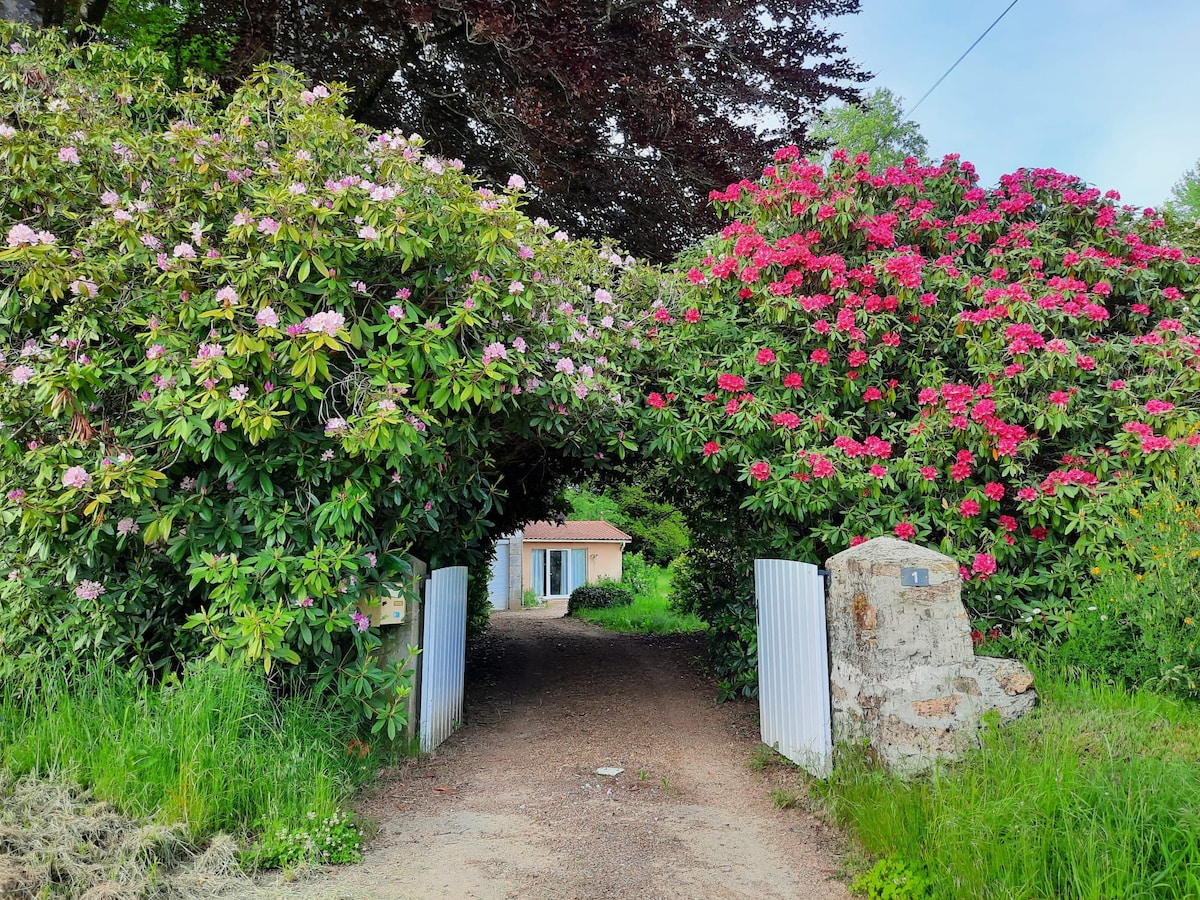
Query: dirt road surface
[[510, 806]]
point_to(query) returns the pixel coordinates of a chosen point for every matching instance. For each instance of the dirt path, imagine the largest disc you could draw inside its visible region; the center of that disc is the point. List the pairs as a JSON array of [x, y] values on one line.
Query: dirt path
[[510, 806]]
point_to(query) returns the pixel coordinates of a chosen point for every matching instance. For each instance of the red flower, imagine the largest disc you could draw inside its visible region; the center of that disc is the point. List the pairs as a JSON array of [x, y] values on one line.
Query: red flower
[[878, 471], [993, 490], [1008, 523], [656, 400], [711, 447], [662, 314], [820, 357], [857, 539], [793, 380], [760, 471], [1027, 494], [731, 407], [872, 393], [787, 420], [968, 508], [1059, 398], [709, 398], [764, 357], [905, 531], [984, 566], [857, 358], [729, 382], [929, 473], [692, 316], [1039, 533]]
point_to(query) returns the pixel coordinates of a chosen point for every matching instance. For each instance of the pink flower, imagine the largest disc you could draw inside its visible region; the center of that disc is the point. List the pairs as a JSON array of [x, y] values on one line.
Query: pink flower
[[127, 526], [565, 365], [21, 374], [16, 496], [727, 382], [220, 427], [69, 155], [764, 357], [993, 490], [760, 471], [76, 477], [516, 183], [515, 288], [368, 233], [983, 566], [1155, 407], [793, 380], [691, 316], [267, 225], [227, 295], [871, 394], [267, 318], [927, 396], [361, 622], [968, 508], [929, 473], [1027, 494], [711, 448], [1008, 523], [1059, 398], [656, 401], [89, 590], [857, 358], [788, 420], [327, 322], [877, 471], [335, 425], [857, 540], [820, 357], [905, 531]]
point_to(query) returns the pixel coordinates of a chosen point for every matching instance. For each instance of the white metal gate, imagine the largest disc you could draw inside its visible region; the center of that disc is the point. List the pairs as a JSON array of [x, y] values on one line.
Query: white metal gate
[[443, 655], [793, 662]]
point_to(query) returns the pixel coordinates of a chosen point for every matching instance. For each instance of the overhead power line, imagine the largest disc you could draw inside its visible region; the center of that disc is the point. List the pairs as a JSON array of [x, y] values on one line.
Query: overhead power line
[[966, 53]]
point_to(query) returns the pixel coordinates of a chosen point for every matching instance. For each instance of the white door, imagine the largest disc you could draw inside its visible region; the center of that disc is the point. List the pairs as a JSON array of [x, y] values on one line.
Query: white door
[[498, 583]]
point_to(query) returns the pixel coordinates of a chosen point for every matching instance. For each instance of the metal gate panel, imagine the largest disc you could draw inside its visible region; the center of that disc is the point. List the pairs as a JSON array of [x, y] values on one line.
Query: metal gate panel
[[443, 655], [793, 662]]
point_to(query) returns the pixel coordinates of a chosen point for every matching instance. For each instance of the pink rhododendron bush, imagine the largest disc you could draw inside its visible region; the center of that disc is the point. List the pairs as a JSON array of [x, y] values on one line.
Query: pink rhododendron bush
[[992, 372], [254, 354]]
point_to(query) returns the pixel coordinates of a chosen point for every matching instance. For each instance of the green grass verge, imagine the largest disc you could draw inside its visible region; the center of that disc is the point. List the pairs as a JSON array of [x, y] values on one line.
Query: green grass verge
[[213, 750], [1096, 794], [650, 612]]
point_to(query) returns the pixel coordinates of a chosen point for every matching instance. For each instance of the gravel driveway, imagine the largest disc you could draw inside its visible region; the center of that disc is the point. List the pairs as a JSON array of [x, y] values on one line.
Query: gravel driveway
[[510, 806]]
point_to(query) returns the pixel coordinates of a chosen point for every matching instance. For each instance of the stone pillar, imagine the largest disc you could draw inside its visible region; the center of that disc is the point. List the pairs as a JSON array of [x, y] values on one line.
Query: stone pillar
[[396, 639], [516, 554], [903, 673]]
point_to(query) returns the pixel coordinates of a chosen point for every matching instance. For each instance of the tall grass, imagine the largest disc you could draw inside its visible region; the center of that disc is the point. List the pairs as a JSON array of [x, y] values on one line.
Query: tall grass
[[1096, 795], [213, 750], [650, 612]]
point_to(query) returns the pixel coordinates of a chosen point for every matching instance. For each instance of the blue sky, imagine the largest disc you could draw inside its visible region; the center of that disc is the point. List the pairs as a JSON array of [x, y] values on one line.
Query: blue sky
[[1108, 90]]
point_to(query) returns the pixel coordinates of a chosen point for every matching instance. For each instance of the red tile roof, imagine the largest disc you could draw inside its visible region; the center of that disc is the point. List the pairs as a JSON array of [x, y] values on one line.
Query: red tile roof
[[574, 531]]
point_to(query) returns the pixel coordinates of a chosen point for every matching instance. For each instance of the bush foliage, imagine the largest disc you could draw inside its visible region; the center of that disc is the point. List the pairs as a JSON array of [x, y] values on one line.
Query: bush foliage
[[603, 595], [255, 354]]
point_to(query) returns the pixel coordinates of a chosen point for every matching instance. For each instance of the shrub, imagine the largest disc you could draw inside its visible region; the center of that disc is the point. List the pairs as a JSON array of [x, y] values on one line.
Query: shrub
[[252, 355], [891, 878], [603, 595], [636, 575], [1142, 625]]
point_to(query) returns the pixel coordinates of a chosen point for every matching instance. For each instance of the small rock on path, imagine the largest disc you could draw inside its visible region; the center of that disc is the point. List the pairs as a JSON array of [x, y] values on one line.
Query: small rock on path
[[510, 806]]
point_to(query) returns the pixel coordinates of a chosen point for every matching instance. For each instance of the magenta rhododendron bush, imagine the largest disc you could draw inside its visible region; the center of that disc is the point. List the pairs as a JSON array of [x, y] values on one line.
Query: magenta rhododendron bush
[[253, 354], [992, 372]]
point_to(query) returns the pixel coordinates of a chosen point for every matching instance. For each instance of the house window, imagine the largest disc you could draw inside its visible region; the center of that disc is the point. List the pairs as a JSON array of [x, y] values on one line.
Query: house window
[[558, 572]]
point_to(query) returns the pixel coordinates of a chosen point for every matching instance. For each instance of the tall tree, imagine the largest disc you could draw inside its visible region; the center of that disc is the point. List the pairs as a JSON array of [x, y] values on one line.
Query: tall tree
[[875, 125], [1184, 201], [621, 114]]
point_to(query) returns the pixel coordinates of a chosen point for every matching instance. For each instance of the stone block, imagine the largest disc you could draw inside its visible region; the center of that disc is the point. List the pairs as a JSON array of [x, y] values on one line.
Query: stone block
[[903, 671]]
